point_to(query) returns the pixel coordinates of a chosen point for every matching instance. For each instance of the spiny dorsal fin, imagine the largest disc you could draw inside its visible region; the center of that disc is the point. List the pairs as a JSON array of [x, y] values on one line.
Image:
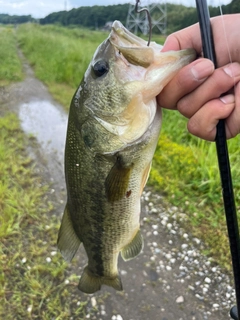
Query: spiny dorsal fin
[[117, 181], [132, 249], [68, 241], [90, 283]]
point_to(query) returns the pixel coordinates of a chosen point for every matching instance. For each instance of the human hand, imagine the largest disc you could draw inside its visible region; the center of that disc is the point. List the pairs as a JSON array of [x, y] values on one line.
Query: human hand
[[199, 92]]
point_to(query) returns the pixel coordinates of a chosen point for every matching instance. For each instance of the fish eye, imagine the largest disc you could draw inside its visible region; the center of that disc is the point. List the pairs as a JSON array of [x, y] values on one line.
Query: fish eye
[[100, 68]]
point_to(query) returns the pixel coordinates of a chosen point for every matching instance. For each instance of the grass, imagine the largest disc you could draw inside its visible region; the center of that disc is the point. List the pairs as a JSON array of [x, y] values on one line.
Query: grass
[[59, 55], [34, 283], [10, 66], [184, 168]]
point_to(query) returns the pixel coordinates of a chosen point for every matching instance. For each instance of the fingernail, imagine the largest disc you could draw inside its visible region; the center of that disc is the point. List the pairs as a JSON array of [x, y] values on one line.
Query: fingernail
[[229, 98], [202, 69], [232, 70]]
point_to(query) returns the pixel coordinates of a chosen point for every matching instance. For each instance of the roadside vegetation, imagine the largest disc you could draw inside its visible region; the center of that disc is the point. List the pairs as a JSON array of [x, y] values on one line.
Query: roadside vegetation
[[34, 282], [185, 168], [59, 55], [10, 65]]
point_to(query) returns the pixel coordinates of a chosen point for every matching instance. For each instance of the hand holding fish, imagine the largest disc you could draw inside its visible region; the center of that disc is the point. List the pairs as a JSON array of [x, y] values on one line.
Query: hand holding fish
[[199, 92]]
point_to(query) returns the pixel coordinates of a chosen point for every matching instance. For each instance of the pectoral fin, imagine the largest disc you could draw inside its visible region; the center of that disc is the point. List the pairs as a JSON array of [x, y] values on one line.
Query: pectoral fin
[[117, 181], [145, 177], [131, 250], [67, 242]]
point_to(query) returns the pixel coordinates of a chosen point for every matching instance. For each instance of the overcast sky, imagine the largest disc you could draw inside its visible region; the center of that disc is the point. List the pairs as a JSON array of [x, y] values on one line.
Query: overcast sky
[[41, 8]]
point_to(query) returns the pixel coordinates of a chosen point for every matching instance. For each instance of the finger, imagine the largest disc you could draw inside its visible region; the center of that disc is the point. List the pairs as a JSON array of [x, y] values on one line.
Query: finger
[[186, 80], [233, 121], [187, 38], [221, 81], [203, 123]]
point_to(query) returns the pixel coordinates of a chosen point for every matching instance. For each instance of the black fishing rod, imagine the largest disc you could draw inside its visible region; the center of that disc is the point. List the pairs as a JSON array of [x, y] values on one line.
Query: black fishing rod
[[223, 161]]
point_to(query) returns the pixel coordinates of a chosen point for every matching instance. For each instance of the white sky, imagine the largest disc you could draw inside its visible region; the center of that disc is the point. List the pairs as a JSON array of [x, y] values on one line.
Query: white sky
[[41, 8]]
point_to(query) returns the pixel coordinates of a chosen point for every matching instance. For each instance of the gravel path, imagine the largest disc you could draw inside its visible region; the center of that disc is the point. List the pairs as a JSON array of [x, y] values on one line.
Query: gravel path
[[170, 280]]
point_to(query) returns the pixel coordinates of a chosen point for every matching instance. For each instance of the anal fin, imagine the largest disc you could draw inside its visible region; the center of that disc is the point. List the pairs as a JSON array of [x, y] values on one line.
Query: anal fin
[[132, 249], [68, 242], [90, 283]]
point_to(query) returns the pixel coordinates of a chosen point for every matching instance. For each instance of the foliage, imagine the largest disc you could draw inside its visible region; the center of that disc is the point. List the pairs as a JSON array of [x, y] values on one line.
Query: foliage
[[34, 283], [10, 66], [94, 17], [186, 170], [62, 68], [8, 19], [89, 17]]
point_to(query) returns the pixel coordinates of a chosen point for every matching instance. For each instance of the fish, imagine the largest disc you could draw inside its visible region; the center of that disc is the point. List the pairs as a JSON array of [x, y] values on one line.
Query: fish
[[113, 128]]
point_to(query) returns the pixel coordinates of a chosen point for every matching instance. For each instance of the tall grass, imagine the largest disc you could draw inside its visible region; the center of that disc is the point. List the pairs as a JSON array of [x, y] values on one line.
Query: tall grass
[[33, 279], [186, 169], [59, 55], [10, 65]]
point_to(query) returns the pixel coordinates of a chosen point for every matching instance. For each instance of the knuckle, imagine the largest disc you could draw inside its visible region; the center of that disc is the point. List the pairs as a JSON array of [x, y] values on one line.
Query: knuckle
[[183, 107]]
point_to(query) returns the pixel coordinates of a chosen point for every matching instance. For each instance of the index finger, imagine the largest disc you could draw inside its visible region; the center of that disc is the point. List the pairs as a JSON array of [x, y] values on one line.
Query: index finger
[[189, 37]]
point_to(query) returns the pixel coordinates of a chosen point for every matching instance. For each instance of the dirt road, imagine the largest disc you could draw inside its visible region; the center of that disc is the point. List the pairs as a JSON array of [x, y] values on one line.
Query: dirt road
[[170, 280]]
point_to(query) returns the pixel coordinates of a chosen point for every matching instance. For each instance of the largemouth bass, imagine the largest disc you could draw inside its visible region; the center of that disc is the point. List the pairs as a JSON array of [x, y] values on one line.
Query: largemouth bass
[[113, 128]]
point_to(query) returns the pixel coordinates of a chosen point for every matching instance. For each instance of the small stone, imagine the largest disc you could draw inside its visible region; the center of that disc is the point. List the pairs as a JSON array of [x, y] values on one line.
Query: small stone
[[123, 272], [168, 256], [93, 302], [205, 290], [180, 299], [207, 280], [24, 260], [29, 309]]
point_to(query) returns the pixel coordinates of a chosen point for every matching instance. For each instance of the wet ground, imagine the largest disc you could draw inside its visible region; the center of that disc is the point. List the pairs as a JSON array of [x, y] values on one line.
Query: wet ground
[[170, 280]]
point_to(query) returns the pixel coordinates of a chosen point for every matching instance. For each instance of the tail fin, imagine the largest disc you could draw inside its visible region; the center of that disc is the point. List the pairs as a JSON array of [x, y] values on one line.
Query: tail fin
[[89, 283]]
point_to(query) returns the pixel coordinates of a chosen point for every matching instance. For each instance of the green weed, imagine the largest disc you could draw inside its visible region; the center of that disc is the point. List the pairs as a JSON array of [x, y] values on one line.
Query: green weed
[[33, 279], [59, 55], [10, 65]]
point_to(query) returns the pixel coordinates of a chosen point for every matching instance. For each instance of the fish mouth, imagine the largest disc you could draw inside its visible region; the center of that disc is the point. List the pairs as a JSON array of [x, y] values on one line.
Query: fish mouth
[[133, 48], [136, 51]]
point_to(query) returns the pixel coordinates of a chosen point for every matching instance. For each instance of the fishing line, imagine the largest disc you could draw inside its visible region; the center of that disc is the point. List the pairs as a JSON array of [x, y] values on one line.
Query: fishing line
[[223, 160], [225, 33]]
